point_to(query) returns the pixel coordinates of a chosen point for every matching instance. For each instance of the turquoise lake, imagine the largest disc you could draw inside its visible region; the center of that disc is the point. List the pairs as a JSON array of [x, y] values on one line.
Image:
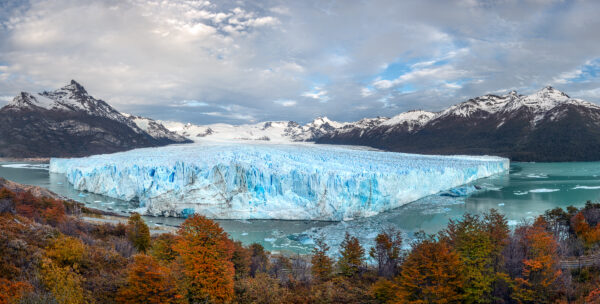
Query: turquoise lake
[[524, 192]]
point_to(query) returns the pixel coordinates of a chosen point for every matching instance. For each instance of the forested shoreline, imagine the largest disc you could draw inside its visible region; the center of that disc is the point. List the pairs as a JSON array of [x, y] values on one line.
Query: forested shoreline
[[48, 254]]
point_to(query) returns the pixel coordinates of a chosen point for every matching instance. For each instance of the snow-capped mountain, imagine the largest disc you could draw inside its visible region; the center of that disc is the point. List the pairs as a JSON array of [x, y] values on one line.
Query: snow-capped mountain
[[410, 120], [270, 131], [545, 126], [70, 122]]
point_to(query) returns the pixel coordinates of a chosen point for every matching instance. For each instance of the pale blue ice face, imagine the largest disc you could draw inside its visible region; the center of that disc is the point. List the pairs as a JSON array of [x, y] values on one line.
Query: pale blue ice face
[[268, 181]]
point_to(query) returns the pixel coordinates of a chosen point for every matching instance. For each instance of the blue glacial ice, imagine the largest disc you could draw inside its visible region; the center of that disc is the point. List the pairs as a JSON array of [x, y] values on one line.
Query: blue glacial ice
[[269, 181]]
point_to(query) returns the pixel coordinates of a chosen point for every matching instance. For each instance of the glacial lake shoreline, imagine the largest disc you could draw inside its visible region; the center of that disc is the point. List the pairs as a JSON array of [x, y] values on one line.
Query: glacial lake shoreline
[[525, 191]]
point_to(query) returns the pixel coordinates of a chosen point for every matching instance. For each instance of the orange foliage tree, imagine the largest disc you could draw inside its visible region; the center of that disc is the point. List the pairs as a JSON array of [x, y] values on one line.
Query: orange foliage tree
[[148, 282], [432, 273], [589, 235], [66, 251], [540, 266], [386, 252], [205, 254], [42, 209], [11, 292], [593, 296]]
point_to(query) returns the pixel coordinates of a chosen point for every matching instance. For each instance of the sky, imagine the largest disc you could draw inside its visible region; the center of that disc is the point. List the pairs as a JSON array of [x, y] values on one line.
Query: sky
[[250, 61]]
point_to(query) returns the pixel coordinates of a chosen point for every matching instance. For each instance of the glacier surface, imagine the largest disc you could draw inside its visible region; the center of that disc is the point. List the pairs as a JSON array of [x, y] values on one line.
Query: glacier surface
[[271, 181]]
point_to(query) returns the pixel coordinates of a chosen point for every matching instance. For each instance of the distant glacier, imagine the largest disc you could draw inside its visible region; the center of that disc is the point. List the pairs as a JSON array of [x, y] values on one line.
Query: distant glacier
[[270, 181]]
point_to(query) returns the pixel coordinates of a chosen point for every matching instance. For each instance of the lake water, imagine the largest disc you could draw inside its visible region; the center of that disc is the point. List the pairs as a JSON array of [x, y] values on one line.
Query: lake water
[[521, 194]]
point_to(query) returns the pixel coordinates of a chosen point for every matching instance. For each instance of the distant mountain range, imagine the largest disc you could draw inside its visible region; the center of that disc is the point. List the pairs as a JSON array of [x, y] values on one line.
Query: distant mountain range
[[545, 126], [271, 131], [70, 122]]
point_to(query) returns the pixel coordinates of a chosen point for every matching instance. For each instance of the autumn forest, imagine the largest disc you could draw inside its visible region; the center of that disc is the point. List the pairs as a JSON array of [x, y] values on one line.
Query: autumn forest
[[48, 254]]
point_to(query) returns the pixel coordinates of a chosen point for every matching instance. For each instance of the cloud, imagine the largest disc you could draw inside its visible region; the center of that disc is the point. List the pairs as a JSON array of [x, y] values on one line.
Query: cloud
[[232, 61], [588, 94], [366, 92], [423, 75], [455, 85], [317, 93], [193, 103], [588, 72], [285, 102], [236, 116]]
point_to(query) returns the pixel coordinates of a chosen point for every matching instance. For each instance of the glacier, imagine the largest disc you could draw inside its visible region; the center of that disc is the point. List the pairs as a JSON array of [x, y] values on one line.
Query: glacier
[[271, 181]]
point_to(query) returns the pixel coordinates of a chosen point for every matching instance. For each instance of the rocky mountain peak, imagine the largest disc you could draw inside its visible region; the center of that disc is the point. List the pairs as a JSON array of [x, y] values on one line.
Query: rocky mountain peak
[[324, 122], [75, 87], [320, 120], [81, 124], [550, 92], [23, 99]]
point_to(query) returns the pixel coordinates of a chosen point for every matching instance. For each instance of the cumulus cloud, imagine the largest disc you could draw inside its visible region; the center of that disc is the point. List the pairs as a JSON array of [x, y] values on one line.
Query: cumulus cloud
[[231, 61]]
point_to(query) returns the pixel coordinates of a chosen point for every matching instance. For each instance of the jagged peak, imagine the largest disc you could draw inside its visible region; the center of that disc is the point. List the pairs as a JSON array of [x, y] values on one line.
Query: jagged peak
[[320, 120], [22, 95], [74, 87], [548, 88], [550, 91]]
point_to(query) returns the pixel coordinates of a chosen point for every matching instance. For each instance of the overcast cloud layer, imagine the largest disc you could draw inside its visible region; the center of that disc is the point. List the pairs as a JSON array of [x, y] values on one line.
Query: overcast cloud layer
[[238, 62]]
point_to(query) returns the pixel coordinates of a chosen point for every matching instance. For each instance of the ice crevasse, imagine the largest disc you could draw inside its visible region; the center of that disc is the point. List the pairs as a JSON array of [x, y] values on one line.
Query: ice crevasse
[[268, 181]]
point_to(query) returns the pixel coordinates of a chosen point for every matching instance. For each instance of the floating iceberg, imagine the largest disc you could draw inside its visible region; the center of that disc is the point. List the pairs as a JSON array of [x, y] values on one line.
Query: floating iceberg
[[269, 181]]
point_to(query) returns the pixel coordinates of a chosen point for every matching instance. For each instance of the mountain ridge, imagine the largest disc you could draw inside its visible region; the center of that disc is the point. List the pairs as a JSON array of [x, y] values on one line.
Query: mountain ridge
[[69, 122], [547, 125]]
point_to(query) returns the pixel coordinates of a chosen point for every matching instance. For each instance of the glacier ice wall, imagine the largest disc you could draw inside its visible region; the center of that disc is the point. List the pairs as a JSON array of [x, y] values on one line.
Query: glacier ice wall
[[268, 181]]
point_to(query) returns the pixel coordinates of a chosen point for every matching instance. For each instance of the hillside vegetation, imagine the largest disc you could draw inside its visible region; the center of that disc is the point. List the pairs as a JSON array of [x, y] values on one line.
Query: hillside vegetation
[[49, 255]]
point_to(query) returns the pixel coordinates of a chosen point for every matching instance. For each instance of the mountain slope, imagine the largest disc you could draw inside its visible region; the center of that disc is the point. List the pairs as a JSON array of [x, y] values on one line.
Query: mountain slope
[[68, 122], [545, 126], [157, 130]]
